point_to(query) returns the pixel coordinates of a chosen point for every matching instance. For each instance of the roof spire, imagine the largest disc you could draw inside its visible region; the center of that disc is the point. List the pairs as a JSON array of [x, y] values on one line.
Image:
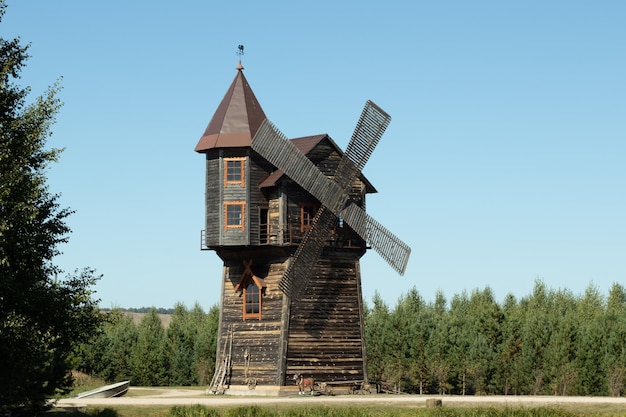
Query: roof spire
[[237, 118], [239, 54]]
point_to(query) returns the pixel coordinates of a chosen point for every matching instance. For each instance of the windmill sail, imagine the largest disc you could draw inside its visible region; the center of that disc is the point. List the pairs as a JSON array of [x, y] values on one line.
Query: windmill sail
[[299, 270], [270, 143], [367, 133], [369, 129]]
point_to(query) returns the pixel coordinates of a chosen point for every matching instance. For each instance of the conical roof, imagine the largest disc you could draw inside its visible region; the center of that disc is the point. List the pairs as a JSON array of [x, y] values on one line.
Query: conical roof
[[236, 120]]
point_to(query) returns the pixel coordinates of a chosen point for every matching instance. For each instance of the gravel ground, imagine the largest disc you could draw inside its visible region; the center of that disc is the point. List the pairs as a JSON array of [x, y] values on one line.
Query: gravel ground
[[189, 397]]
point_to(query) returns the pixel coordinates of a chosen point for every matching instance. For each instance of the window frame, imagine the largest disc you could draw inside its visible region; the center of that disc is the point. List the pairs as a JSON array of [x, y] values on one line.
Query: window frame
[[227, 224], [249, 282], [242, 172], [304, 207], [247, 279]]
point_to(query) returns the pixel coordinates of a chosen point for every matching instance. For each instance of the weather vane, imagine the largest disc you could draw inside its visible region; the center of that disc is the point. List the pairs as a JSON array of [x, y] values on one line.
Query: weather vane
[[239, 54]]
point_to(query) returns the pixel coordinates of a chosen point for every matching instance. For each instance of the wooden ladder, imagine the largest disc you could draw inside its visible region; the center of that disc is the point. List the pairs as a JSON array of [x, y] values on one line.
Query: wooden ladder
[[217, 385]]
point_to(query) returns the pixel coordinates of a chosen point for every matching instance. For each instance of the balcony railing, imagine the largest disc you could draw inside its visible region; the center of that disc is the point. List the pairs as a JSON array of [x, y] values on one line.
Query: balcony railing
[[286, 235]]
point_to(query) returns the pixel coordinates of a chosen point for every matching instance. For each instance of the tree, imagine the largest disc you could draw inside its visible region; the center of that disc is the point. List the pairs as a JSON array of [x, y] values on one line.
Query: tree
[[592, 343], [377, 332], [615, 328], [412, 323], [120, 338], [182, 334], [509, 373], [535, 334], [42, 318], [560, 352], [438, 346], [150, 358], [205, 349]]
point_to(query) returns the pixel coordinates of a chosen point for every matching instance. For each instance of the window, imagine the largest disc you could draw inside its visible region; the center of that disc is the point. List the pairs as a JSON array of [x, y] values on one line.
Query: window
[[307, 214], [251, 300], [234, 215], [234, 172], [251, 288]]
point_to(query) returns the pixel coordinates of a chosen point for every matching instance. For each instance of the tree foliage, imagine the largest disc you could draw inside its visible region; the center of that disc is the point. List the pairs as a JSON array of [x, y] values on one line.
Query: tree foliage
[[150, 354], [42, 318], [548, 343]]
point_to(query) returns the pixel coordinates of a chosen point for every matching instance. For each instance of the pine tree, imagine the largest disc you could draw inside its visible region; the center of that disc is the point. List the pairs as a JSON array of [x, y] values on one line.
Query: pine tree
[[614, 363], [560, 352], [121, 334], [150, 357], [377, 332], [182, 334], [205, 349], [438, 347], [535, 332], [509, 373]]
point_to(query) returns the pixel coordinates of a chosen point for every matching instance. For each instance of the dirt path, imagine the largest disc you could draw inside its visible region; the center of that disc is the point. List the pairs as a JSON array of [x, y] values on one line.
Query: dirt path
[[163, 396]]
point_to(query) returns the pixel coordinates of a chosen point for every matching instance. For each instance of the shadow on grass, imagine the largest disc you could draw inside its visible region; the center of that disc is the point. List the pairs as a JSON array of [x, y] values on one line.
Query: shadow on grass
[[104, 412]]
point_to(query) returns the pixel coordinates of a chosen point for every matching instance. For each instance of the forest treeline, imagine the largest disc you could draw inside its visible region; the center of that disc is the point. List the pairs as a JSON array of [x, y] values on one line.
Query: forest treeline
[[149, 354], [142, 310], [550, 342]]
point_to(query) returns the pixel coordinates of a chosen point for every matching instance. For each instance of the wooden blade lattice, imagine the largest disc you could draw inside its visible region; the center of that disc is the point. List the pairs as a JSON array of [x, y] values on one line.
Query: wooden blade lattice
[[386, 244], [270, 143], [301, 266], [367, 133]]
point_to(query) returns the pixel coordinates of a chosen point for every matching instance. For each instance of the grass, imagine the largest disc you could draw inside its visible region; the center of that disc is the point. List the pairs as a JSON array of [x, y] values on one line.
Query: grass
[[338, 411], [82, 383], [85, 383], [145, 391]]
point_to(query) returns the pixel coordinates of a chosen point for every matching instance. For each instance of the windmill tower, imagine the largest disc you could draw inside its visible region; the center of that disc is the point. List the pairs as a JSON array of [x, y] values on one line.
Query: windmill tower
[[287, 219]]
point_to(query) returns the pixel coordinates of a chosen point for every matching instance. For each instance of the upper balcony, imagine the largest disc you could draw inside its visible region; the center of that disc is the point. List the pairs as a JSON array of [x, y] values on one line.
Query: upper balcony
[[290, 235]]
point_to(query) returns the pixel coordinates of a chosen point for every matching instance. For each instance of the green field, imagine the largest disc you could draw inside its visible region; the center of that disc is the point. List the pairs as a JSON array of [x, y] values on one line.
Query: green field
[[347, 411]]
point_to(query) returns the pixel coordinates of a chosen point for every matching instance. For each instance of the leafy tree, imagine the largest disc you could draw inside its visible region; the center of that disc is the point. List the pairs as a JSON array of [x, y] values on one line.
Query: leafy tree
[[42, 318]]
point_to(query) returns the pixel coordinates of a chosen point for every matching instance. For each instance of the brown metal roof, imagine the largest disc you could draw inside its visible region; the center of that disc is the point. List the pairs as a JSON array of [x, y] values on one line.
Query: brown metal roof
[[236, 119], [305, 145]]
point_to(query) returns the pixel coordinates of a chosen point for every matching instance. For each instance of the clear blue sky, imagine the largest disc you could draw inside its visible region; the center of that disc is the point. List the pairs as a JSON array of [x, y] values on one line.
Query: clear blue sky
[[504, 161]]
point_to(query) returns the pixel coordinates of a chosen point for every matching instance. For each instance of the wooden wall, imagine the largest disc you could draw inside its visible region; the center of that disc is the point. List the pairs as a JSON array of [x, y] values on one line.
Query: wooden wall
[[325, 337], [324, 334], [256, 170], [259, 339], [213, 197], [321, 335], [282, 202]]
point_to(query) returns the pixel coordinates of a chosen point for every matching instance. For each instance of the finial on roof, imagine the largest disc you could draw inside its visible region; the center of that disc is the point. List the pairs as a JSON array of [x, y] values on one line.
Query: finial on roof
[[239, 54]]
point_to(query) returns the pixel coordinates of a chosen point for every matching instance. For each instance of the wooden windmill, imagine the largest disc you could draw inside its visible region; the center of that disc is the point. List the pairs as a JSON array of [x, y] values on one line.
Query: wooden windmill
[[287, 218]]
